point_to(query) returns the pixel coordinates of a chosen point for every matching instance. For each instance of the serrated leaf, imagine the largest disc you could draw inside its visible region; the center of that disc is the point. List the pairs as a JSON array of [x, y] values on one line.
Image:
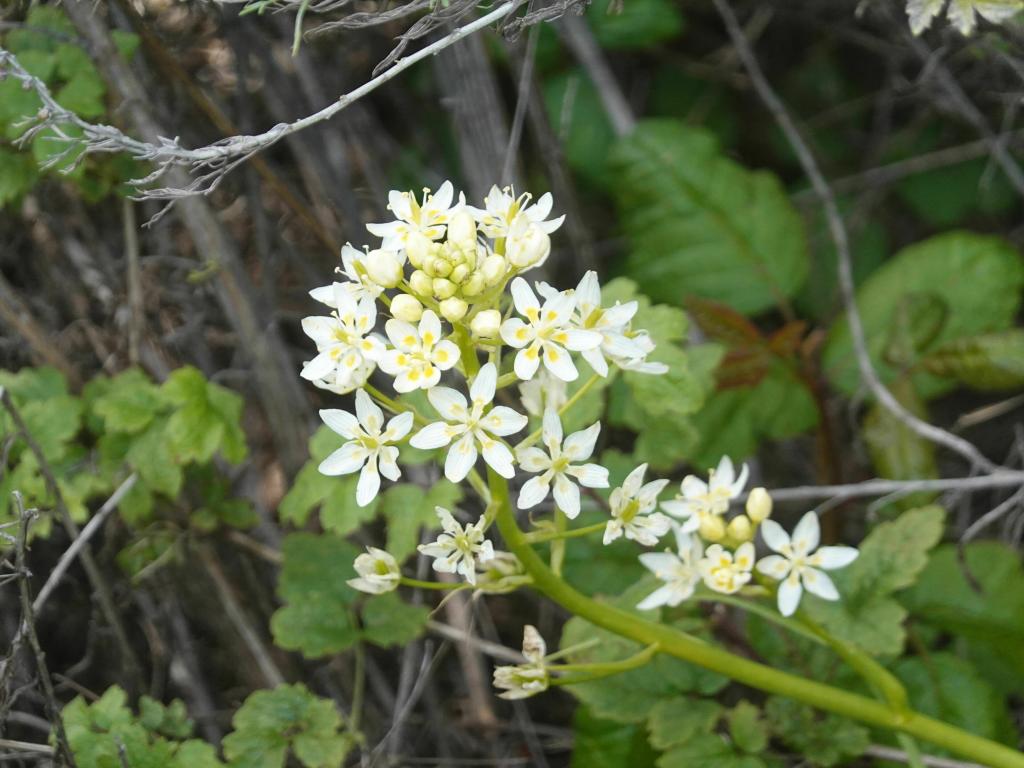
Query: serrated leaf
[[979, 278], [129, 402], [675, 721], [151, 455], [708, 751], [272, 724], [749, 732], [83, 95], [316, 617], [821, 739], [989, 362], [388, 620], [601, 743], [891, 557], [206, 419], [701, 224]]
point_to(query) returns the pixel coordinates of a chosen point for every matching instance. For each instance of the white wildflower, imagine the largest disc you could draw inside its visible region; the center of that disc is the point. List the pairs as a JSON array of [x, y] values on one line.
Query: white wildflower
[[700, 500], [961, 13], [420, 354], [543, 391], [724, 571], [378, 572], [344, 341], [459, 549], [678, 570], [370, 447], [557, 465], [799, 560], [502, 209], [473, 424], [529, 679], [427, 217], [632, 506], [360, 286]]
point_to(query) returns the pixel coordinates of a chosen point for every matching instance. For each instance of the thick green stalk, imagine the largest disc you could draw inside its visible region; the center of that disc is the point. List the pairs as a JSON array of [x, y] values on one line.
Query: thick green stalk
[[738, 668]]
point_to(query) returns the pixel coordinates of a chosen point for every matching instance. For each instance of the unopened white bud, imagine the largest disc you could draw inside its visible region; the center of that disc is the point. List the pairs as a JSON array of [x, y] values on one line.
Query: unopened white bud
[[474, 285], [453, 309], [494, 268], [378, 572], [740, 529], [528, 248], [407, 308], [486, 324], [417, 247], [384, 268], [443, 288], [462, 229], [712, 528], [759, 505], [459, 273], [421, 283]]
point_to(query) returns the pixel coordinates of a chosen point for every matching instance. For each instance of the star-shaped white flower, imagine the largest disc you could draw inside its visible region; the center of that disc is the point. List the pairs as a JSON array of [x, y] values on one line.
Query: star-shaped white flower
[[557, 465], [524, 680], [546, 335], [344, 341], [699, 499], [611, 322], [724, 571], [378, 572], [632, 506], [502, 209], [459, 549], [420, 354], [427, 217], [473, 424], [543, 391], [679, 570], [799, 562], [359, 285], [370, 446]]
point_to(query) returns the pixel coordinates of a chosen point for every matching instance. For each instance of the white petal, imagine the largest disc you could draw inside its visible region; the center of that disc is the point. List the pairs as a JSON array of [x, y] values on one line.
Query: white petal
[[577, 340], [516, 333], [774, 535], [320, 366], [559, 362], [503, 421], [533, 459], [567, 496], [461, 458], [523, 297], [430, 327], [595, 359], [724, 475], [398, 427], [402, 334], [661, 564], [445, 355], [369, 483], [432, 436], [552, 430], [648, 495], [388, 462], [679, 508], [319, 328], [612, 531], [806, 534], [737, 487], [342, 422], [448, 521], [831, 558], [451, 405], [775, 566], [527, 361], [579, 445], [498, 456], [533, 492], [631, 485], [483, 386], [656, 599], [789, 595], [693, 486], [345, 460], [589, 475], [369, 413], [818, 583]]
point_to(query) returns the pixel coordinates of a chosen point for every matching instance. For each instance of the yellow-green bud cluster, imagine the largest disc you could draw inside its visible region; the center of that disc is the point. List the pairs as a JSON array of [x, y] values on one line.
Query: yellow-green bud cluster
[[454, 271], [740, 528]]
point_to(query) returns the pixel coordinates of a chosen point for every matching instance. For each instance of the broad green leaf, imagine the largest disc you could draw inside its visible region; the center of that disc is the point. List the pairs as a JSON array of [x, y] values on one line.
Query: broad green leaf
[[944, 197], [51, 415], [151, 455], [749, 732], [316, 618], [708, 750], [207, 417], [601, 743], [388, 620], [821, 739], [129, 402], [989, 362], [635, 24], [891, 557], [272, 724], [675, 721], [17, 174], [83, 95], [701, 224], [916, 323], [978, 277]]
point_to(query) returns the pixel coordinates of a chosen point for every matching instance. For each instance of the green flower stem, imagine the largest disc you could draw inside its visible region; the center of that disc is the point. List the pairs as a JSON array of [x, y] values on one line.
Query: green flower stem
[[743, 670], [394, 405], [507, 380], [439, 585], [557, 554], [537, 537], [576, 648], [587, 672], [534, 436]]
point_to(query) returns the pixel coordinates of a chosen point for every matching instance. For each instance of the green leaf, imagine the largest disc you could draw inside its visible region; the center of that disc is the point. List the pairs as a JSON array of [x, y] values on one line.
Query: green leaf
[[944, 197], [287, 720], [17, 174], [634, 24], [675, 721], [407, 509], [701, 224], [992, 361], [388, 620], [151, 455], [708, 751], [749, 732], [316, 617], [207, 418], [601, 743], [574, 108], [979, 278], [821, 739], [129, 402], [51, 415], [891, 557]]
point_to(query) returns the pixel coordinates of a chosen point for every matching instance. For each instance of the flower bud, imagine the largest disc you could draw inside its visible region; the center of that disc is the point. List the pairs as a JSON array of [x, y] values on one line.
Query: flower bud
[[494, 268], [407, 308], [486, 324], [528, 248], [462, 229], [474, 285], [421, 283], [759, 505], [453, 309], [384, 268], [439, 267], [712, 528], [443, 288], [740, 529], [459, 273], [378, 572], [417, 247]]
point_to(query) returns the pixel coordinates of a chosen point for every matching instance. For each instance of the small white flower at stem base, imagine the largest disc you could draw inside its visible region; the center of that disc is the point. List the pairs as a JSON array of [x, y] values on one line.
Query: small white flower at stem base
[[699, 500], [679, 570], [378, 572], [420, 354], [529, 679], [724, 571], [547, 335], [344, 341], [557, 465], [800, 563], [473, 424], [370, 447], [426, 217], [632, 506], [459, 549]]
